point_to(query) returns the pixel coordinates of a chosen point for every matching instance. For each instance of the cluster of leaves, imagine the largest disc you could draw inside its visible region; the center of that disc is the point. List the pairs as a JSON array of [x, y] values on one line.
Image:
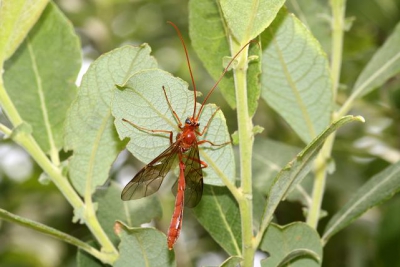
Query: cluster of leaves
[[288, 69]]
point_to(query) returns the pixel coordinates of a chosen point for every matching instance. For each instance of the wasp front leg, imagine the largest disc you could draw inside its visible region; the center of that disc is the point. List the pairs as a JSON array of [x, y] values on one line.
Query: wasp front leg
[[171, 134]]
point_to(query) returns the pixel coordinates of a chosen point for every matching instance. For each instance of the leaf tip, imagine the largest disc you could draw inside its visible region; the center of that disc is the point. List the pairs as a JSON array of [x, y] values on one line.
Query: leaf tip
[[359, 118]]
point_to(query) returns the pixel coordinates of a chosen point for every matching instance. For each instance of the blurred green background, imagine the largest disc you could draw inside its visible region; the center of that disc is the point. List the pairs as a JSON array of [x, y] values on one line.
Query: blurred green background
[[360, 150]]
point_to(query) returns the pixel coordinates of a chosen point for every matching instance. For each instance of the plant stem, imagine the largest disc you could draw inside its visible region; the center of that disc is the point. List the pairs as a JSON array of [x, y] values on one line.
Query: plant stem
[[338, 13], [321, 169], [5, 130], [27, 141], [8, 106], [52, 232], [321, 165], [246, 138]]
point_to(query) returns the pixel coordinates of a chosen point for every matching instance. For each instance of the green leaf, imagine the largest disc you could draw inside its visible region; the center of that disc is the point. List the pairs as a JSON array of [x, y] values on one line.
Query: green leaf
[[142, 102], [248, 19], [295, 245], [384, 65], [297, 169], [209, 36], [17, 18], [296, 80], [132, 213], [268, 159], [218, 205], [378, 189], [89, 127], [40, 76], [143, 247]]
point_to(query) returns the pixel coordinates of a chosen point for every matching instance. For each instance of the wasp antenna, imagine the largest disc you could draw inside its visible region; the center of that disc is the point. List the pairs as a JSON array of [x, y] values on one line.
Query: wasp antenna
[[222, 75], [188, 63]]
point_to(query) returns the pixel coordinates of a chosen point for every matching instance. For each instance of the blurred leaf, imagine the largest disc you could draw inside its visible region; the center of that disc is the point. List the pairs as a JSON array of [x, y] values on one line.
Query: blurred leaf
[[89, 126], [219, 214], [248, 19], [259, 202], [378, 189], [296, 81], [142, 102], [40, 76], [384, 65], [268, 159], [143, 247], [316, 16], [388, 234], [295, 245], [209, 36], [132, 213], [297, 169], [17, 18]]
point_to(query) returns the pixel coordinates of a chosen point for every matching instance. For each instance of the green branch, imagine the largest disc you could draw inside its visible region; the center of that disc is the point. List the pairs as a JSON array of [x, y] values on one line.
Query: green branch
[[321, 163], [53, 233], [246, 138]]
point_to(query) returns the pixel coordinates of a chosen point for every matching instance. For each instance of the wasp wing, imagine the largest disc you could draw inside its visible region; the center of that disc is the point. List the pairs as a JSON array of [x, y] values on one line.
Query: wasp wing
[[193, 177], [148, 180]]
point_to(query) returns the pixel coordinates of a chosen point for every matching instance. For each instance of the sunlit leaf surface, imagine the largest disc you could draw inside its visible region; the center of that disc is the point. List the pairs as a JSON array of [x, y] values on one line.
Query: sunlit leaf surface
[[90, 130]]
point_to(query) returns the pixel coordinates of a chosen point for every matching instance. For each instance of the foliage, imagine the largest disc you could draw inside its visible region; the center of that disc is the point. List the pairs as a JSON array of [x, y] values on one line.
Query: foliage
[[77, 136]]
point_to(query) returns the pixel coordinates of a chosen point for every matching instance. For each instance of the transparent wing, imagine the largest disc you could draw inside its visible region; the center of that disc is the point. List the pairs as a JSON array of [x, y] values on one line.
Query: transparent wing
[[193, 177], [148, 180]]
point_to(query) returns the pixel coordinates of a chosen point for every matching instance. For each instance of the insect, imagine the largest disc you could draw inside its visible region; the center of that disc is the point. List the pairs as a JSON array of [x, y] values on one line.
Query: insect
[[185, 150]]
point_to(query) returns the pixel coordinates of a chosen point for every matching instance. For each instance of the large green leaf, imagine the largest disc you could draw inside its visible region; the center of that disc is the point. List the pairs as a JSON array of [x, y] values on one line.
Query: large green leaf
[[219, 214], [297, 169], [384, 64], [133, 213], [40, 76], [209, 35], [247, 19], [143, 247], [16, 19], [294, 245], [296, 80], [142, 102], [379, 188], [90, 131]]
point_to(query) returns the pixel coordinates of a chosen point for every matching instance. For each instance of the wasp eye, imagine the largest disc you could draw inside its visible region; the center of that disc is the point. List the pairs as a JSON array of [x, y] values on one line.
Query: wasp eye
[[187, 121]]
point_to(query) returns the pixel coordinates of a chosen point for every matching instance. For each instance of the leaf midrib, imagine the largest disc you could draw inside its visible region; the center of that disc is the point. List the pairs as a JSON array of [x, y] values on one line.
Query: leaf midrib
[[42, 99], [224, 221], [352, 207], [292, 84], [379, 71]]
